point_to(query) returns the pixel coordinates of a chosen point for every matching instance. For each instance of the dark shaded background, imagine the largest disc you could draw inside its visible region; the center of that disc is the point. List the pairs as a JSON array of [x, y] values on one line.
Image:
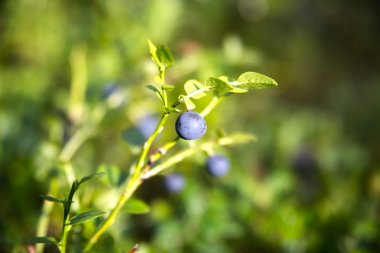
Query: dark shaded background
[[310, 184]]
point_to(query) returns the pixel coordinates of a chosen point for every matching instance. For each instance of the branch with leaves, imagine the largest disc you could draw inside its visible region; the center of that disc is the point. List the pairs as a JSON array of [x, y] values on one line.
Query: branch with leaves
[[146, 165]]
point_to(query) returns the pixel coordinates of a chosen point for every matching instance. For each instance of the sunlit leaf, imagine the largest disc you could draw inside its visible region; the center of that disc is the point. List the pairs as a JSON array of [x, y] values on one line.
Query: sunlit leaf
[[253, 80], [165, 56], [86, 216], [189, 104], [136, 206], [195, 89]]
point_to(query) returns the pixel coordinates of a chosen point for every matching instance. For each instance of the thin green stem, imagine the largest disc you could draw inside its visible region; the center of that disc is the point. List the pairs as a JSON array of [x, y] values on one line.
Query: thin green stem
[[213, 103], [43, 220], [142, 158], [176, 158], [133, 183], [130, 188], [66, 154], [63, 242]]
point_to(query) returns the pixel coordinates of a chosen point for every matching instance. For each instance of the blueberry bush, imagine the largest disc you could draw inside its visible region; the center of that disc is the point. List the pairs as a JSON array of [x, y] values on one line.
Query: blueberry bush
[[73, 103], [188, 126]]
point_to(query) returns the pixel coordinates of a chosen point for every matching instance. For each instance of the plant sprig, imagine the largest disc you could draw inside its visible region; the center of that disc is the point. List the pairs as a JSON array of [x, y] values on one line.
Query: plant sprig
[[144, 168]]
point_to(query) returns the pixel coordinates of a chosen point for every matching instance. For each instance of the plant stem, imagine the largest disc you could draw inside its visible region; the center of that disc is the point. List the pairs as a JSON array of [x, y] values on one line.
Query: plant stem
[[66, 154], [142, 158], [213, 103], [43, 220], [133, 183], [62, 244], [130, 188], [224, 141]]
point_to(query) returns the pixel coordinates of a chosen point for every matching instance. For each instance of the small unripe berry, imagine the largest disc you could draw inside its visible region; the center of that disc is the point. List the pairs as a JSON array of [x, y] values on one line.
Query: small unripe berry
[[190, 126], [218, 165]]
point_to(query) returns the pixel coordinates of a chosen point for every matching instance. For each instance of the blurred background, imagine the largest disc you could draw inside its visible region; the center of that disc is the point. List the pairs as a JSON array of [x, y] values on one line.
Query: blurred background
[[311, 183]]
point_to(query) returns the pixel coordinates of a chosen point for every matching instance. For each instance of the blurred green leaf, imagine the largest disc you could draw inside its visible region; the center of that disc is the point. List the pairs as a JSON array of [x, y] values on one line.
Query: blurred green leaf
[[253, 80], [153, 52], [136, 206], [237, 138], [195, 89], [165, 56], [168, 87], [44, 240], [86, 216], [52, 199], [156, 91], [84, 179]]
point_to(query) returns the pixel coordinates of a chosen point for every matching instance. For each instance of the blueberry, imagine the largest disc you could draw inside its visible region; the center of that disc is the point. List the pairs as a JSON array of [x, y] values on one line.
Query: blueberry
[[147, 125], [174, 182], [218, 165], [114, 95], [110, 90], [190, 126]]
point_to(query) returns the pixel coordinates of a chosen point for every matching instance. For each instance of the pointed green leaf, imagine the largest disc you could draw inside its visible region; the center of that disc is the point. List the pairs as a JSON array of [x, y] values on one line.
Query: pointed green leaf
[[84, 179], [218, 86], [153, 51], [156, 91], [253, 80], [86, 216], [44, 240], [165, 56], [136, 206], [52, 199], [195, 89]]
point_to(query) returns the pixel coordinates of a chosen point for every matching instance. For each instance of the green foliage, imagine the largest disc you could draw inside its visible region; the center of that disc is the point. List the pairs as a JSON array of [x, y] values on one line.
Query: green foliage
[[43, 240], [136, 206], [279, 193], [86, 216]]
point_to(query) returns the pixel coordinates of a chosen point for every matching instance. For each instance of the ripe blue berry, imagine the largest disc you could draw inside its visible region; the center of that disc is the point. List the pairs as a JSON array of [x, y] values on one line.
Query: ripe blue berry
[[218, 165], [174, 182], [190, 126]]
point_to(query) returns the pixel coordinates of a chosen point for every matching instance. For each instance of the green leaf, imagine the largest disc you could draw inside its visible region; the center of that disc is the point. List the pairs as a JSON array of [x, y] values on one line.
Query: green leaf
[[84, 179], [52, 199], [44, 240], [86, 216], [153, 52], [156, 91], [253, 80], [195, 89], [168, 87], [237, 138], [189, 104], [165, 56], [136, 206], [218, 86]]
